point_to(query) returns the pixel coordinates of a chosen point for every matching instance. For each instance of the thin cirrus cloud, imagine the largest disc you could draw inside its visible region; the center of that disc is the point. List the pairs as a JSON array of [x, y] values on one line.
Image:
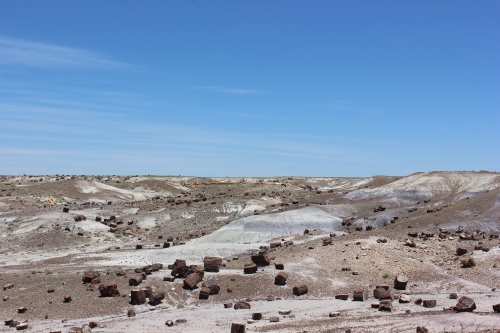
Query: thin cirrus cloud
[[232, 90], [43, 55]]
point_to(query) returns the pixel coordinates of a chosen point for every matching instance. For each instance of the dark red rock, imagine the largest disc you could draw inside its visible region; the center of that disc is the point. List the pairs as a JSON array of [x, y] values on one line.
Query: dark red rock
[[300, 290], [465, 304], [109, 290], [280, 278]]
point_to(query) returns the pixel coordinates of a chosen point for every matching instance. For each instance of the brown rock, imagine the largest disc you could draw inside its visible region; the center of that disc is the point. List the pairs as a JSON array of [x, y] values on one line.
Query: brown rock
[[67, 298], [242, 305], [136, 280], [50, 290], [280, 278], [358, 295], [193, 279], [400, 282], [453, 296], [461, 251], [257, 315], [260, 259], [430, 303], [92, 277], [468, 262], [496, 307], [212, 264], [274, 245], [381, 293], [156, 297], [93, 324], [109, 290], [22, 309], [238, 328], [204, 293], [300, 290], [343, 297], [137, 297], [131, 312], [250, 269], [169, 323], [228, 305], [422, 329], [279, 266], [385, 306], [465, 304]]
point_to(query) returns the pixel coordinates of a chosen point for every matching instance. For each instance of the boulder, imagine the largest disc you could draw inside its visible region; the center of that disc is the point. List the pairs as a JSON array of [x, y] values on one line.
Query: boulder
[[257, 315], [381, 293], [109, 290], [300, 290], [358, 295], [204, 293], [260, 259], [327, 241], [468, 262], [238, 328], [385, 306], [212, 264], [193, 279], [496, 308], [465, 304], [453, 296], [136, 280], [430, 303], [250, 269], [92, 276], [343, 297], [156, 297], [279, 266], [400, 282], [280, 278], [460, 251], [241, 305]]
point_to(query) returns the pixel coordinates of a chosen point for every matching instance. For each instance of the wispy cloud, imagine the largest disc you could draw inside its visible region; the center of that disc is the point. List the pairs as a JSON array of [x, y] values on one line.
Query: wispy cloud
[[36, 54], [232, 90]]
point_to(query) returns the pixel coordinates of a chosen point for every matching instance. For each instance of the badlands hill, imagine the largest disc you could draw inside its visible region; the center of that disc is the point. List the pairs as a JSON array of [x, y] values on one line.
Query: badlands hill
[[334, 235]]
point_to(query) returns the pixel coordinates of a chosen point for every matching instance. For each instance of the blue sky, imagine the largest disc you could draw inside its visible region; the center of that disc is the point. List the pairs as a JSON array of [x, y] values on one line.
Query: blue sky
[[249, 88]]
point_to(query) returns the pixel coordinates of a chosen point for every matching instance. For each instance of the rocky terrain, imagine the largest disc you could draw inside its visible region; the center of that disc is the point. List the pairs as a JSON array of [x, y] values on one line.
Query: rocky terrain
[[417, 253]]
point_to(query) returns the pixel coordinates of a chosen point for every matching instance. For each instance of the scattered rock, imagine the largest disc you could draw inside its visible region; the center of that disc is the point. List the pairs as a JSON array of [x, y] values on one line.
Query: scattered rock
[[281, 278], [431, 303], [241, 305], [238, 328], [400, 282], [300, 290], [465, 304]]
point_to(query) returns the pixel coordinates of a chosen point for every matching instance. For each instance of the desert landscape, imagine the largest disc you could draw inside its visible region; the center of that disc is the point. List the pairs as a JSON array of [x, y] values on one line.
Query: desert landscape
[[416, 253]]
